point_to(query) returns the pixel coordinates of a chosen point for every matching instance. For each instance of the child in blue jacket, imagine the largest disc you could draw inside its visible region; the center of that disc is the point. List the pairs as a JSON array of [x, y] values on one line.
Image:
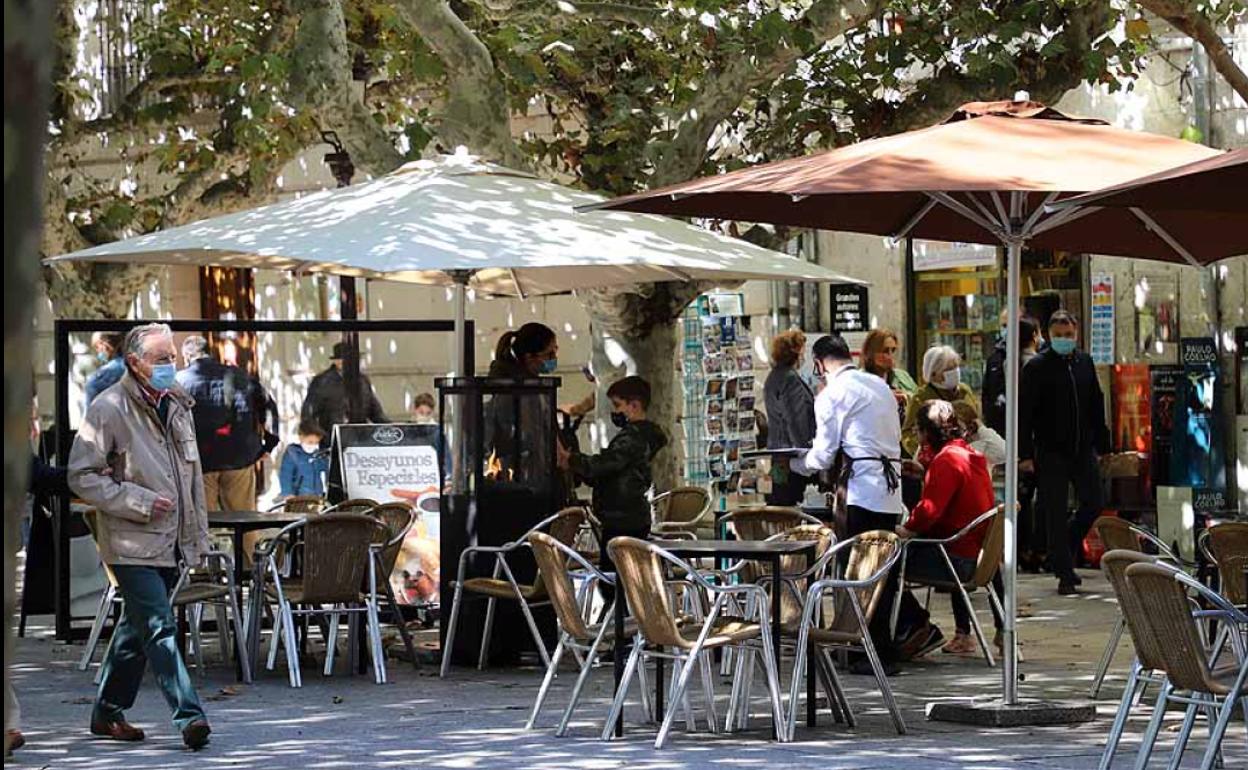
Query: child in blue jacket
[[304, 464]]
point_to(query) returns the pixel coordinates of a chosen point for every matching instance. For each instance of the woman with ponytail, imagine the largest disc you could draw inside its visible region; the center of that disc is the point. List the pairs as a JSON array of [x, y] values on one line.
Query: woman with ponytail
[[530, 351]]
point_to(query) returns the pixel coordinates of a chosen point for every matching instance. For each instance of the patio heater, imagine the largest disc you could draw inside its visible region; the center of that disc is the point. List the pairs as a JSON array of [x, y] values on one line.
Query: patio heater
[[499, 479]]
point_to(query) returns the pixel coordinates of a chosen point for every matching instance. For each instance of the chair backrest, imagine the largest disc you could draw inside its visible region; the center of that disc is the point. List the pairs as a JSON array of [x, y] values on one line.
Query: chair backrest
[[639, 570], [870, 551], [552, 564], [354, 505], [300, 504], [1228, 543], [990, 549], [1116, 534], [1168, 620], [684, 504], [89, 518], [398, 518], [766, 521], [792, 564], [567, 523], [336, 557], [1131, 604]]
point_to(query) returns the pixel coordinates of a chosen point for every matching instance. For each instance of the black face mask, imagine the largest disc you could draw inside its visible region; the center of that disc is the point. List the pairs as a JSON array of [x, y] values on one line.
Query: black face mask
[[619, 419]]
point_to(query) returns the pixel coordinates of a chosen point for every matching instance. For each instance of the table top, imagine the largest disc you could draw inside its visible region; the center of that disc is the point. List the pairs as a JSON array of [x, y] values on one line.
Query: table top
[[742, 549], [258, 519]]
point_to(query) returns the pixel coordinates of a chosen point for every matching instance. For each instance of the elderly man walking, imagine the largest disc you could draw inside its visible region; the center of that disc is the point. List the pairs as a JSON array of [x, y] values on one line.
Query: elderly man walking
[[136, 461]]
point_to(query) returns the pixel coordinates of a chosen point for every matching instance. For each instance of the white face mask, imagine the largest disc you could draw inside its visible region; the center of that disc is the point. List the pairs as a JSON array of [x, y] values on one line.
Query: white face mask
[[310, 446], [950, 380]]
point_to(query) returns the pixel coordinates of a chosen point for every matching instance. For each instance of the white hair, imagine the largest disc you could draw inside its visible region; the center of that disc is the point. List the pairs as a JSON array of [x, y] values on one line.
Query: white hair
[[939, 358], [136, 338], [194, 348]]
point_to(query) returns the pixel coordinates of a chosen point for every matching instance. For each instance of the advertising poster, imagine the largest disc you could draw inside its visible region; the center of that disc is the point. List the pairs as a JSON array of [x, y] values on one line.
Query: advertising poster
[[1101, 327], [1132, 427], [399, 462]]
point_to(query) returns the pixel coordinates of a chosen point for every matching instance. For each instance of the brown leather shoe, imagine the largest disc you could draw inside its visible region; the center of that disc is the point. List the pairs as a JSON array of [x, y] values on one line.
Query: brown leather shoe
[[117, 731], [195, 735], [13, 740]]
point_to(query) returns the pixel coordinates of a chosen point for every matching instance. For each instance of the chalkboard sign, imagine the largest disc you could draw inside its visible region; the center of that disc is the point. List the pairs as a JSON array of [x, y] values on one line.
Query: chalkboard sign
[[398, 462], [849, 307], [391, 462]]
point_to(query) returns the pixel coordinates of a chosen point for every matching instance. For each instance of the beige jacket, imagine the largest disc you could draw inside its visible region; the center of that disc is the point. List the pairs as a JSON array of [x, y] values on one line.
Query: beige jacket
[[122, 431]]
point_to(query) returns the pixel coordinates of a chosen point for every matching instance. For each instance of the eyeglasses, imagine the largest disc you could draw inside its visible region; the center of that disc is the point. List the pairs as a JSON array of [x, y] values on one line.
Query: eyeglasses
[[165, 359]]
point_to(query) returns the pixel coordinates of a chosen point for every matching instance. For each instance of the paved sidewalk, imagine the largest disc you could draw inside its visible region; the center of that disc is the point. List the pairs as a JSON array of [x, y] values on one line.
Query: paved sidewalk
[[475, 719]]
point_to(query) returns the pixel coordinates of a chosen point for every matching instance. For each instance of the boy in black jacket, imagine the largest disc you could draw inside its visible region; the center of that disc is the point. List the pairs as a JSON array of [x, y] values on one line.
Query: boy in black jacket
[[620, 474]]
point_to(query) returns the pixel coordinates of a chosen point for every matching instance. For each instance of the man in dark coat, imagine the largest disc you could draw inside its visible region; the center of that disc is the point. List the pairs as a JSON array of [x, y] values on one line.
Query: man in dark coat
[[229, 415], [1062, 429], [326, 403]]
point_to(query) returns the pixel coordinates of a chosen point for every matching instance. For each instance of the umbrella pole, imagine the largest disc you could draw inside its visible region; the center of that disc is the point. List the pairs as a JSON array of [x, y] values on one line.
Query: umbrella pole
[[460, 356], [1009, 664]]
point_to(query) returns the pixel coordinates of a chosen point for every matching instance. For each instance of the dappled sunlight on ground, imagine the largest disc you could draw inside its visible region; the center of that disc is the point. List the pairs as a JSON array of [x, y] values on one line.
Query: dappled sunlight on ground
[[474, 720]]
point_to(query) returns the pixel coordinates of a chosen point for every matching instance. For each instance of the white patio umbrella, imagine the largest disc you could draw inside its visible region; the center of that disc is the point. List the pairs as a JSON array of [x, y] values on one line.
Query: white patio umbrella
[[464, 223]]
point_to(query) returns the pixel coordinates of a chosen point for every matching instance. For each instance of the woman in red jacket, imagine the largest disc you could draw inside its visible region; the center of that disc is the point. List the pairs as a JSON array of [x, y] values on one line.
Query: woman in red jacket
[[956, 490]]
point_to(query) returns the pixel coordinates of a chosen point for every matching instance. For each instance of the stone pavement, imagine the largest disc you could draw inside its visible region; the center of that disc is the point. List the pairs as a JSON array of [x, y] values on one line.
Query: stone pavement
[[475, 719]]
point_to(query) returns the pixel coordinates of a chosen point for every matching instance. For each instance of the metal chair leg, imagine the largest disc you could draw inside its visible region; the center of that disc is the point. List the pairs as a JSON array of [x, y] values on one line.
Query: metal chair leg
[[1107, 656], [397, 611], [291, 643], [772, 668], [1185, 734], [379, 651], [708, 690], [590, 658], [546, 680], [617, 704], [678, 693], [885, 690], [456, 601], [97, 627], [1120, 718], [486, 632], [1218, 730], [240, 638], [1154, 727], [846, 709], [331, 641], [278, 617]]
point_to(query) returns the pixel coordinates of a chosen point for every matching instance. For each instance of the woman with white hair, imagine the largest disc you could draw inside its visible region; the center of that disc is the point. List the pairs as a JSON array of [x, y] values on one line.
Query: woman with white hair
[[942, 381]]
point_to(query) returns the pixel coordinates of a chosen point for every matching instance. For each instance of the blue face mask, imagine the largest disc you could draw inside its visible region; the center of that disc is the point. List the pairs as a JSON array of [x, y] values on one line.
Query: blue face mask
[[1063, 346], [163, 376], [548, 366], [101, 356]]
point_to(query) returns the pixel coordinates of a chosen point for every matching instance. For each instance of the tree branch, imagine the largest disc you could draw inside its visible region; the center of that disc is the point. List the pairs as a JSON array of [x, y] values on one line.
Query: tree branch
[[1188, 19], [936, 97], [722, 90], [476, 112], [321, 82]]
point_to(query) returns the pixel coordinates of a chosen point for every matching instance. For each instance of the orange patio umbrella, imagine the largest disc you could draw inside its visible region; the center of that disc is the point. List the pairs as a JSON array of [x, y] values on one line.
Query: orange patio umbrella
[[986, 175]]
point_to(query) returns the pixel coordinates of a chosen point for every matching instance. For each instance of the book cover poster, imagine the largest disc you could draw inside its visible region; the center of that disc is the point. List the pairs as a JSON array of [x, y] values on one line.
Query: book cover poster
[[960, 311], [946, 314], [1132, 427], [974, 312], [1163, 391]]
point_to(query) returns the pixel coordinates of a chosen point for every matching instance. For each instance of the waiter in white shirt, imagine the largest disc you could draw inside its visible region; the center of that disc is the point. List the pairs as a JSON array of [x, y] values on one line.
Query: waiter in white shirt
[[856, 417]]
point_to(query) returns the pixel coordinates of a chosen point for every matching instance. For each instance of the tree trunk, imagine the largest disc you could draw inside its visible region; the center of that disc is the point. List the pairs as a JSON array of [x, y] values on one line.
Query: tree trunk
[[27, 67], [636, 332]]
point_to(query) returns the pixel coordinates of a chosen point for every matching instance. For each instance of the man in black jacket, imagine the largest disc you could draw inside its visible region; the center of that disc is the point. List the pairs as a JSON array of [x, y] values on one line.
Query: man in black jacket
[[327, 404], [229, 412], [1061, 431]]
